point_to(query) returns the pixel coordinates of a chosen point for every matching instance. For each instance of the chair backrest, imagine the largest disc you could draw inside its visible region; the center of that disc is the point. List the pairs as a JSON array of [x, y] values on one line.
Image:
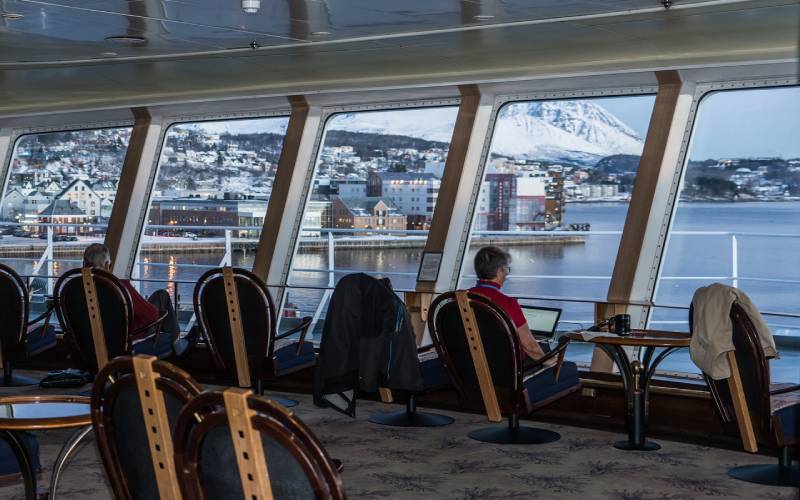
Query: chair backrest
[[498, 340], [14, 312], [748, 386], [234, 444], [135, 405], [236, 311], [95, 311]]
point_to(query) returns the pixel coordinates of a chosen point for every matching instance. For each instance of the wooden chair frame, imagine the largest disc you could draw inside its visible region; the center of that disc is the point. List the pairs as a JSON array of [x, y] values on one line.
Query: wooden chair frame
[[763, 428], [512, 403], [91, 277], [151, 377], [214, 409], [17, 349], [249, 365]]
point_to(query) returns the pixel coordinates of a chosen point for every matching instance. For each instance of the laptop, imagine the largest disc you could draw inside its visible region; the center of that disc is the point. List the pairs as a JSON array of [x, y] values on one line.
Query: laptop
[[542, 320]]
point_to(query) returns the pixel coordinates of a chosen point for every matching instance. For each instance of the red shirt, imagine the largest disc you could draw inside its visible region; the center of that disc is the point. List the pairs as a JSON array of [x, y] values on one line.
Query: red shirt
[[491, 290], [144, 312]]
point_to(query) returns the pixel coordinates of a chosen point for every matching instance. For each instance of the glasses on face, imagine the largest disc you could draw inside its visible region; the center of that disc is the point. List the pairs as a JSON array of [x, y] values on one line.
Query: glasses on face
[[508, 269]]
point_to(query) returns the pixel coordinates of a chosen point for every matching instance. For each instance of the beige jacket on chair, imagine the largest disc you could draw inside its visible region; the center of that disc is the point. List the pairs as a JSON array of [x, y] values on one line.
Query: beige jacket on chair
[[712, 328]]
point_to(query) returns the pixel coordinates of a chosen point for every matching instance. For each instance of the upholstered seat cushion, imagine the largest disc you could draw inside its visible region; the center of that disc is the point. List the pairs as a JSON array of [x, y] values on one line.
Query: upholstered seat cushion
[[40, 339], [433, 374], [287, 360], [542, 388], [161, 348]]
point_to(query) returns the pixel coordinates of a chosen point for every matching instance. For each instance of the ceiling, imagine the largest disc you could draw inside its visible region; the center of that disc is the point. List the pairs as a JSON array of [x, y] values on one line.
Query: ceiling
[[58, 56], [77, 30]]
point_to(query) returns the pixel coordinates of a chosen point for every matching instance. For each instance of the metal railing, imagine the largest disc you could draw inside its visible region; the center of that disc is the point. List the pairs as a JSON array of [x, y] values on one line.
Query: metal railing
[[330, 236]]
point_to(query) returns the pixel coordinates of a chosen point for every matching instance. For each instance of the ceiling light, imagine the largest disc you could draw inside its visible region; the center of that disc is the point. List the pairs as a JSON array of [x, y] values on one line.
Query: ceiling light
[[320, 33], [251, 6], [483, 17], [11, 16], [130, 39], [108, 54]]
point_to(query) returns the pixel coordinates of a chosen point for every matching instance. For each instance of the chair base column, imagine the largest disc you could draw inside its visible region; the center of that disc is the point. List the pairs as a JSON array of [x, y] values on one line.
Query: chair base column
[[768, 475], [405, 418], [410, 417], [514, 434]]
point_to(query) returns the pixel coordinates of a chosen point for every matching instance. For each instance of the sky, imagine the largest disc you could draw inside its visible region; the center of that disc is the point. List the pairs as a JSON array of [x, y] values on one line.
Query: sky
[[747, 123]]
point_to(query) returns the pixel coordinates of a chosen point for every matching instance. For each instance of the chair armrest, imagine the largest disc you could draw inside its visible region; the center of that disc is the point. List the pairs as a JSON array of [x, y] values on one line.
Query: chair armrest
[[305, 323], [42, 316], [557, 353], [154, 324], [783, 390]]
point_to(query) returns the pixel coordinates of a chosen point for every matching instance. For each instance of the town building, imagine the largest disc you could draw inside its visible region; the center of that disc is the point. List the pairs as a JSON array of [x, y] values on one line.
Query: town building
[[370, 212]]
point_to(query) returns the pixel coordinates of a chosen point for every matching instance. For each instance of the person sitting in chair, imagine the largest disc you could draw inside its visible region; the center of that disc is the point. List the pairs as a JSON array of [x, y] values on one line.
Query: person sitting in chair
[[492, 266], [145, 311]]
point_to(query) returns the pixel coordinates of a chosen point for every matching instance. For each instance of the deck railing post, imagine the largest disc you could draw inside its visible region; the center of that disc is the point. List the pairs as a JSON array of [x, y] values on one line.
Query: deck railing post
[[735, 261], [50, 263]]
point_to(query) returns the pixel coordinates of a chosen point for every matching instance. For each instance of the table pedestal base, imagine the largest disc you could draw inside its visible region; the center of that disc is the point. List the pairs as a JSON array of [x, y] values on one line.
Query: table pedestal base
[[646, 446]]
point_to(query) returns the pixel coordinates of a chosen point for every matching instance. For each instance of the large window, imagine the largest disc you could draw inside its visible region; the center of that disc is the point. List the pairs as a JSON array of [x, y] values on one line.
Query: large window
[[208, 203], [58, 198], [555, 194], [374, 191], [737, 218]]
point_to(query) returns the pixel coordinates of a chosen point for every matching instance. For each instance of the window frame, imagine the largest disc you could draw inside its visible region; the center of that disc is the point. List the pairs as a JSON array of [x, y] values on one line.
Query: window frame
[[500, 102], [166, 125], [701, 92], [327, 113]]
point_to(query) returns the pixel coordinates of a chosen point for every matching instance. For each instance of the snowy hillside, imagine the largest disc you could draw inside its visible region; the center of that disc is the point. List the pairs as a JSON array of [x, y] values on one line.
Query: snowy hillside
[[578, 131]]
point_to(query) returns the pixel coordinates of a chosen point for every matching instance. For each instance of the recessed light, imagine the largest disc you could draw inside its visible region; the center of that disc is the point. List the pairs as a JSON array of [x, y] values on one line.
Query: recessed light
[[108, 54], [320, 33], [129, 39], [483, 17], [251, 6], [11, 16]]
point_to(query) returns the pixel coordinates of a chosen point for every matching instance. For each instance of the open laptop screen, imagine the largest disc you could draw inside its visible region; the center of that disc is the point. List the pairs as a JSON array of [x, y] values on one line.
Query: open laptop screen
[[542, 320]]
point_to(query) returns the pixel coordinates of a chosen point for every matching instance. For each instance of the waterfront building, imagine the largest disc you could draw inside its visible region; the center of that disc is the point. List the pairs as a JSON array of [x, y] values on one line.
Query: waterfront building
[[370, 212]]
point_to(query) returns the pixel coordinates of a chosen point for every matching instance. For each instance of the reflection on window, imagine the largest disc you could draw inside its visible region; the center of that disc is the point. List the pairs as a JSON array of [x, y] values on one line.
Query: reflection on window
[[736, 221], [208, 203], [58, 199], [375, 187], [555, 194]]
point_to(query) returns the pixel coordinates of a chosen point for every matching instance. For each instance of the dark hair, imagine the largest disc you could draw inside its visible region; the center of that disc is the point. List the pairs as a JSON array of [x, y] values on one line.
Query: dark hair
[[489, 260]]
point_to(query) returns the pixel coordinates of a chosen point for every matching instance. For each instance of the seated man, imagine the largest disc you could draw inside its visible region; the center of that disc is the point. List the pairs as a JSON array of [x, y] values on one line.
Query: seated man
[[492, 265], [145, 312]]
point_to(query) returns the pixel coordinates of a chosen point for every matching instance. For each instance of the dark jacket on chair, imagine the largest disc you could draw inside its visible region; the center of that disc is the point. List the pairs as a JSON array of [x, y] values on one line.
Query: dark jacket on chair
[[367, 342]]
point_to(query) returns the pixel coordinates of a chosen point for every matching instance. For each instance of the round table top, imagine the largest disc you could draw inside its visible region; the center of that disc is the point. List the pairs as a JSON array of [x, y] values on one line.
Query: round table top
[[44, 412], [637, 338]]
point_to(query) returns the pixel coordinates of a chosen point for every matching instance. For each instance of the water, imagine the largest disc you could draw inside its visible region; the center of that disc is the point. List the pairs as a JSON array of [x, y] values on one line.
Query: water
[[578, 270]]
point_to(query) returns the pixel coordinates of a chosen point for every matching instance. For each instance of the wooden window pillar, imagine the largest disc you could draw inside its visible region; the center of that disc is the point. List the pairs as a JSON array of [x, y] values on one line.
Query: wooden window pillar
[[130, 204], [287, 203], [650, 209], [451, 217]]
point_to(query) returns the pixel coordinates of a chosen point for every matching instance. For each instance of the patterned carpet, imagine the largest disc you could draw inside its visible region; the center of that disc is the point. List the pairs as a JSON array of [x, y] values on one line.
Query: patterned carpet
[[443, 463]]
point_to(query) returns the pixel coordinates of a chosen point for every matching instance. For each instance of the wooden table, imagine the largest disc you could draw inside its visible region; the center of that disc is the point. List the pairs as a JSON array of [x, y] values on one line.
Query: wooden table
[[30, 413], [636, 374]]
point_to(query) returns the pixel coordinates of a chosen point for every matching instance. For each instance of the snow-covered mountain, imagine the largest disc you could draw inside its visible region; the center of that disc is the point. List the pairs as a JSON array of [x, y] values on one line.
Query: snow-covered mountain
[[578, 131], [432, 124]]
